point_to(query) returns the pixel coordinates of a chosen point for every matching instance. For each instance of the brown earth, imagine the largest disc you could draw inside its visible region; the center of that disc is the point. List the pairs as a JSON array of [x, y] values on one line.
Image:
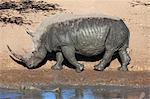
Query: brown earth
[[42, 77], [137, 19]]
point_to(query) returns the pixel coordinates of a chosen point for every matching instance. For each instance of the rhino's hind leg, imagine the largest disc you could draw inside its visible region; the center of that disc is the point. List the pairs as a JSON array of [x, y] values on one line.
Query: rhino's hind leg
[[59, 59], [69, 53], [125, 58], [105, 60]]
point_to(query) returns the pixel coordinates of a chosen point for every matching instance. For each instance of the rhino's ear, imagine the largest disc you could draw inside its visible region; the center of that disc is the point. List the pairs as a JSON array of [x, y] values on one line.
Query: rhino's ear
[[31, 33]]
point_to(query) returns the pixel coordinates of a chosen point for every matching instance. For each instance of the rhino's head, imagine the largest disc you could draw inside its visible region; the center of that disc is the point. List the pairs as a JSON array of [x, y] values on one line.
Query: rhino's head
[[31, 60]]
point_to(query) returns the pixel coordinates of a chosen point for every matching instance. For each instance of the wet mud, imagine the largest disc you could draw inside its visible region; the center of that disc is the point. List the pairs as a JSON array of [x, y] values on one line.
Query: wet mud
[[23, 79]]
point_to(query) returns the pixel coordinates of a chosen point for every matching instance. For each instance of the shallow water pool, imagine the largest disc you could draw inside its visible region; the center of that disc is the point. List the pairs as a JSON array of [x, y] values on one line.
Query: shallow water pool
[[79, 92]]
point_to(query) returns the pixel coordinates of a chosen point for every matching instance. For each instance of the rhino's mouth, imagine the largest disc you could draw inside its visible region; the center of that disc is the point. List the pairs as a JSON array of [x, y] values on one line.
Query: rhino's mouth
[[15, 56]]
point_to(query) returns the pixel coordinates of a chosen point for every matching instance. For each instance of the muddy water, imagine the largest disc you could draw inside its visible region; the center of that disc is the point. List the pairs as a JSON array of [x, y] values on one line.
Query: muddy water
[[84, 92]]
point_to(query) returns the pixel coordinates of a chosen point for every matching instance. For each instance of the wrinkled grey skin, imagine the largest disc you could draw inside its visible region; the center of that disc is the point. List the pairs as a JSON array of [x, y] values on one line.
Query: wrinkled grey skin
[[89, 35]]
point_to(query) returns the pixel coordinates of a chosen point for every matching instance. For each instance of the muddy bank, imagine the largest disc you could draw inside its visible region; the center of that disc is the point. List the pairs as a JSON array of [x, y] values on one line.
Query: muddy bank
[[25, 78]]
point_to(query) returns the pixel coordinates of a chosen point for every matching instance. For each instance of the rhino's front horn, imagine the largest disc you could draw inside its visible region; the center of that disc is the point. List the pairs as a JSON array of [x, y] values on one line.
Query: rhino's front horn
[[29, 32], [18, 57]]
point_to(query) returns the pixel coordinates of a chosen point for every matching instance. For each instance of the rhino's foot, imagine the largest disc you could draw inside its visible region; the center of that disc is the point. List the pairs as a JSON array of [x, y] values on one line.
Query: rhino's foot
[[123, 68], [56, 67], [99, 68], [30, 66], [80, 68]]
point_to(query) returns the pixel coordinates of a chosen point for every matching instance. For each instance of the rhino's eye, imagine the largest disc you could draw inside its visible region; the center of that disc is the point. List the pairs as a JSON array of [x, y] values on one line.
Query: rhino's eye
[[34, 52]]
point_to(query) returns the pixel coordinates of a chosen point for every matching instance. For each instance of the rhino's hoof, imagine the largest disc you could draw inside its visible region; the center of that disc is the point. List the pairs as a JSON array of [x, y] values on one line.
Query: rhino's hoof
[[56, 67], [80, 69], [122, 68], [99, 68], [31, 66]]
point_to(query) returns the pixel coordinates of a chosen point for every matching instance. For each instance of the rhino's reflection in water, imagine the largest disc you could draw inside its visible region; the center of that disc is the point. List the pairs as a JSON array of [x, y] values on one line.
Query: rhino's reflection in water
[[70, 94], [86, 92]]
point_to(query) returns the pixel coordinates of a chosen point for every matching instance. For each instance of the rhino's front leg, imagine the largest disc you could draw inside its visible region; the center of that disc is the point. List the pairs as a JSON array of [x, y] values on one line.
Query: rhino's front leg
[[105, 60], [59, 59], [69, 53]]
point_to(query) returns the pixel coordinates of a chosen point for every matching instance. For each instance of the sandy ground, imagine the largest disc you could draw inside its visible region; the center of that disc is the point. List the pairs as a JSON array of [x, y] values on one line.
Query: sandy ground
[[137, 19]]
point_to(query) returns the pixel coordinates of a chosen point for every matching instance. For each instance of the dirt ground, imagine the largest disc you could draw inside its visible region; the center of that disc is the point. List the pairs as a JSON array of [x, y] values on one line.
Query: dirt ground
[[137, 19]]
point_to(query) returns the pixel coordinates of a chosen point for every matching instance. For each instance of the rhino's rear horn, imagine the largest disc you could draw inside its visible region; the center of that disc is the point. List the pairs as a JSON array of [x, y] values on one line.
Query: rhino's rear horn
[[18, 57], [29, 32]]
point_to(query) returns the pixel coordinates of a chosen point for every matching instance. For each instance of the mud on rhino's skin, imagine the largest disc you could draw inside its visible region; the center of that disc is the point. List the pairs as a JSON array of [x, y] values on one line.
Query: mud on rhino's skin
[[67, 34]]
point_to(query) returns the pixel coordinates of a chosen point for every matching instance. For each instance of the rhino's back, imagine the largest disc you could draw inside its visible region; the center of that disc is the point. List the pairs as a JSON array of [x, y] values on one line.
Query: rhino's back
[[64, 17]]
